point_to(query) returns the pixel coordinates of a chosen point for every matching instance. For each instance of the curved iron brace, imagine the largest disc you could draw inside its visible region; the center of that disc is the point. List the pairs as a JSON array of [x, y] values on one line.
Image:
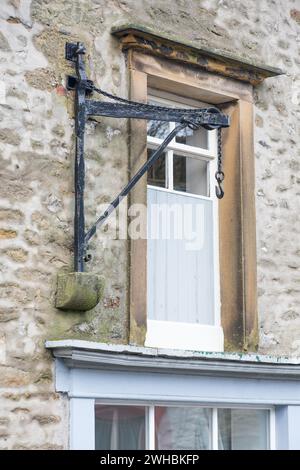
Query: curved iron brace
[[147, 165]]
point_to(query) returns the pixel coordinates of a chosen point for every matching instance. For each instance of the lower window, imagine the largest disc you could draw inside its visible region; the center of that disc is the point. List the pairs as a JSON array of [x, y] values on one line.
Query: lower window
[[123, 427]]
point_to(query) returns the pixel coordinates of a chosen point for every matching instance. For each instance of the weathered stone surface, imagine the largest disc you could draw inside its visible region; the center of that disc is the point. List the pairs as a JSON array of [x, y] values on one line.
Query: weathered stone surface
[[16, 254], [4, 46], [45, 446], [43, 79], [36, 189], [46, 419], [7, 314], [10, 215], [12, 377], [78, 291], [7, 233], [9, 136], [295, 14], [32, 237], [4, 421]]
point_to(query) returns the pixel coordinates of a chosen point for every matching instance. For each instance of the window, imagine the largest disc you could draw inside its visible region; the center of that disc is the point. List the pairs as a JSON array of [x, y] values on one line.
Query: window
[[182, 245], [171, 427], [236, 308]]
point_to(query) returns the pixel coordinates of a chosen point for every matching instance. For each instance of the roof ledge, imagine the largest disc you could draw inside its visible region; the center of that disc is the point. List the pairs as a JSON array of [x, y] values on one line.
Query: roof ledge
[[92, 355], [142, 38]]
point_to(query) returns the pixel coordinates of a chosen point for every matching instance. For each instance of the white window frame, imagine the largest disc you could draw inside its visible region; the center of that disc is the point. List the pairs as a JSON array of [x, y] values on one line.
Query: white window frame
[[213, 438], [168, 334]]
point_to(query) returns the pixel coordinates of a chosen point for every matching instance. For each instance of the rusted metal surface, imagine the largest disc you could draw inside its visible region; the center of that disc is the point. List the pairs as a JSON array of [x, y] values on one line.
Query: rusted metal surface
[[80, 120], [208, 118]]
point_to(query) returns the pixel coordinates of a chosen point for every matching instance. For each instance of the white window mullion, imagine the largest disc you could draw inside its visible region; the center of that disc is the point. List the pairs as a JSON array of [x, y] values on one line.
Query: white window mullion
[[214, 430], [272, 430], [150, 428], [154, 142], [184, 149], [209, 171], [170, 184], [212, 142], [169, 170]]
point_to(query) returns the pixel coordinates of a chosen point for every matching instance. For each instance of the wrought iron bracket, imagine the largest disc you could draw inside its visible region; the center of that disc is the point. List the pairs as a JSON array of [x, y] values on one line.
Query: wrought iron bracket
[[72, 49], [209, 118], [73, 81]]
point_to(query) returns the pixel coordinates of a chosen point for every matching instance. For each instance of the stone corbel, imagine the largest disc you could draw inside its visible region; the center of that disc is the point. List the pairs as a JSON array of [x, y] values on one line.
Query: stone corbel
[[78, 291]]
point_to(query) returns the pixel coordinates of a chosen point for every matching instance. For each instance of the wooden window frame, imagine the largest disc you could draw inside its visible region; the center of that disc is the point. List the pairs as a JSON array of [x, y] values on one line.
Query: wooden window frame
[[237, 234]]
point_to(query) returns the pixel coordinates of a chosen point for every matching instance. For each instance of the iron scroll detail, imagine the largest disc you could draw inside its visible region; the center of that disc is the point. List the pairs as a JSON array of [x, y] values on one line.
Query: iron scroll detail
[[209, 118]]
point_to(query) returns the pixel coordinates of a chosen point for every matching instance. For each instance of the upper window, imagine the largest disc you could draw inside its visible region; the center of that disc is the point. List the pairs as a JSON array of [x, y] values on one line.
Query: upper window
[[182, 249], [184, 167]]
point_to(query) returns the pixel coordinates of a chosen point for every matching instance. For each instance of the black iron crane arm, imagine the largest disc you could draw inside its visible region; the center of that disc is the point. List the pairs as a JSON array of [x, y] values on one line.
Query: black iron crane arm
[[209, 118]]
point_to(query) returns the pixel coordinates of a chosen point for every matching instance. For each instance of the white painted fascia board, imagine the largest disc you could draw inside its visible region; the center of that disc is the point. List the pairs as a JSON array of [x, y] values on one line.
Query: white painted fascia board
[[85, 354]]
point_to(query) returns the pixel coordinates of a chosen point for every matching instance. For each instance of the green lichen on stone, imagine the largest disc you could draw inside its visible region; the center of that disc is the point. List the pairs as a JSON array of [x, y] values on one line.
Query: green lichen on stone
[[78, 291], [137, 333], [250, 344], [252, 341], [231, 347]]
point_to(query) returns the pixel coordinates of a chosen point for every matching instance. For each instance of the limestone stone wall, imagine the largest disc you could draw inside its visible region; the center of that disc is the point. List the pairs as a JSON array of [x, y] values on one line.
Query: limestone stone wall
[[36, 181]]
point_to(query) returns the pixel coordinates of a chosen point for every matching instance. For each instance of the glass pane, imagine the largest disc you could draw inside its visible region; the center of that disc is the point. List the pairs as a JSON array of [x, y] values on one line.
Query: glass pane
[[184, 428], [159, 129], [157, 173], [190, 175], [119, 427], [197, 138], [243, 429]]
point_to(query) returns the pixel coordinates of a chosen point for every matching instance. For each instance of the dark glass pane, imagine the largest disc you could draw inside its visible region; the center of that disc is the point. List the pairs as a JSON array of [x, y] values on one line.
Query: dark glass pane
[[157, 173], [182, 428], [159, 129], [190, 175], [197, 138], [119, 427], [243, 429]]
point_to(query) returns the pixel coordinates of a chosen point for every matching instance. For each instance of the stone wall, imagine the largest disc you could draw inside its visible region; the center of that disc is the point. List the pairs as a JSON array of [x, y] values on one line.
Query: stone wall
[[36, 190]]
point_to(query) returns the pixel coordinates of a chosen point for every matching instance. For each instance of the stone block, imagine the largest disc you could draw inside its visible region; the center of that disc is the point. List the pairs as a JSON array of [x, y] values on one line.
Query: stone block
[[78, 291]]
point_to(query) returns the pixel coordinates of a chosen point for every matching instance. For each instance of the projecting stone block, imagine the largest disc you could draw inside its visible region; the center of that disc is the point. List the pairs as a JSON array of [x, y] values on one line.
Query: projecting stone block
[[78, 291]]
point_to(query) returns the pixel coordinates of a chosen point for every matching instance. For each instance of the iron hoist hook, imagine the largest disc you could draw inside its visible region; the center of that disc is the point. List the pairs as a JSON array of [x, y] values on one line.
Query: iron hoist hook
[[219, 189], [219, 175]]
